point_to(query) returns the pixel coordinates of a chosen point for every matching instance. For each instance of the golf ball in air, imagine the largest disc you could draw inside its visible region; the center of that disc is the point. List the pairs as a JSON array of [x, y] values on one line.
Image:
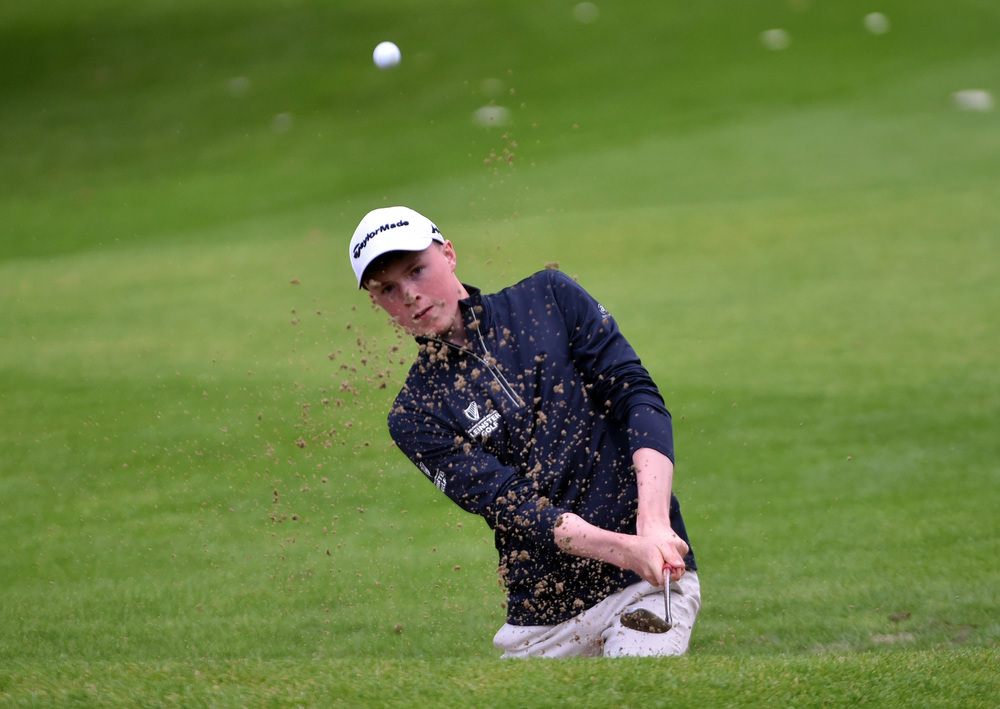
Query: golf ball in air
[[386, 55]]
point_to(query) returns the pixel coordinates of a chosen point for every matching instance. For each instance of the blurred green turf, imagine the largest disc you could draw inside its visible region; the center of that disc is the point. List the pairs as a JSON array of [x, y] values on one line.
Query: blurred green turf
[[802, 244]]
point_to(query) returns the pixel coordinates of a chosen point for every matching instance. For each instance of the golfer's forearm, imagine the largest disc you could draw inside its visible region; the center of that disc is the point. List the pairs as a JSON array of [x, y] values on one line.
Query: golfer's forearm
[[654, 473], [576, 536]]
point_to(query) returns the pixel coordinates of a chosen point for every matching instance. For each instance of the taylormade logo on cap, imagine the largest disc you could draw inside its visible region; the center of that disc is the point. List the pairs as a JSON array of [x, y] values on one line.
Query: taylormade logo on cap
[[368, 237], [389, 229]]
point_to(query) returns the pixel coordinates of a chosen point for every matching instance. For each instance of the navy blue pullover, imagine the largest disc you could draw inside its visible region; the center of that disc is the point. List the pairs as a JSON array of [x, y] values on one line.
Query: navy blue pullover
[[539, 416]]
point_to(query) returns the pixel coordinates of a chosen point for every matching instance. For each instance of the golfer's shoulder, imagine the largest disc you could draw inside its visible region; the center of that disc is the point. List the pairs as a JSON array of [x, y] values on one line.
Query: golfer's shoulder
[[539, 284]]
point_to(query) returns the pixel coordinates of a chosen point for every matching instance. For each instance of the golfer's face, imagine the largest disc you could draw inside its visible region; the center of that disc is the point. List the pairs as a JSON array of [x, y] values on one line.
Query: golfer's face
[[419, 290]]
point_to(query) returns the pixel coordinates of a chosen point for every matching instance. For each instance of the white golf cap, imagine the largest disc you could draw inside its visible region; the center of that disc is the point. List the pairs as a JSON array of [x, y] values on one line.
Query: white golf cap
[[390, 229]]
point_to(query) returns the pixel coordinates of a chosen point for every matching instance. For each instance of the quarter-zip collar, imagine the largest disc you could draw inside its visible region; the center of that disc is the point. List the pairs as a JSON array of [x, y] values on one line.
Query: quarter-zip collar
[[475, 317]]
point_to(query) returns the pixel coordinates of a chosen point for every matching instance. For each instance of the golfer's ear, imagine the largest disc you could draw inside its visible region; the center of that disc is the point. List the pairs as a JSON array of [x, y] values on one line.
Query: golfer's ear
[[449, 253]]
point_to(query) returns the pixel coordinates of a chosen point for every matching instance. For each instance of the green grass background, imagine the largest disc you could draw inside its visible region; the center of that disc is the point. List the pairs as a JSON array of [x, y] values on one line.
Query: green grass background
[[199, 504]]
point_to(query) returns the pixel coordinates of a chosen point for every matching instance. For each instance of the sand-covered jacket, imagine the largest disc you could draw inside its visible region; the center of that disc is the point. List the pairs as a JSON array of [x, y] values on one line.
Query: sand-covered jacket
[[539, 416]]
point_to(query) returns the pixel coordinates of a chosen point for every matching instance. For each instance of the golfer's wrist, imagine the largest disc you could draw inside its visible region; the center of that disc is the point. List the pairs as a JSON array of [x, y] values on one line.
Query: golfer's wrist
[[654, 524]]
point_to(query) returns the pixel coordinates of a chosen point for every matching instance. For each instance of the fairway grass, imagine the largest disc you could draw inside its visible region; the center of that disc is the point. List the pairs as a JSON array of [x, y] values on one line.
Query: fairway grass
[[950, 678], [199, 504]]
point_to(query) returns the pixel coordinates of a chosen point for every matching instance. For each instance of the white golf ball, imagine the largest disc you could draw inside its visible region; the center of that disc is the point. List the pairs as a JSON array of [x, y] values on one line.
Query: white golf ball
[[386, 55]]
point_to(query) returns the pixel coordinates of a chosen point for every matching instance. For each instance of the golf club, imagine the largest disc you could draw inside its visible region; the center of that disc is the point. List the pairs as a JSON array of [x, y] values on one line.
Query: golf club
[[648, 622]]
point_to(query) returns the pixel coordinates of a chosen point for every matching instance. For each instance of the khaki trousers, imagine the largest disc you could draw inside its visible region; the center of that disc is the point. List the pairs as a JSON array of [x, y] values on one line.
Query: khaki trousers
[[598, 632]]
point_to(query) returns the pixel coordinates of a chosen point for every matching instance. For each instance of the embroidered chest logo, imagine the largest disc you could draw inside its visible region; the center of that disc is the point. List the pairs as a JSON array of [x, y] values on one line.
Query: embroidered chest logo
[[482, 427]]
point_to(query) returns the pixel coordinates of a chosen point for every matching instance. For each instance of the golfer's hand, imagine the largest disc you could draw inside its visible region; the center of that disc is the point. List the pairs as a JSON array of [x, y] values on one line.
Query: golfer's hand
[[672, 550], [645, 555]]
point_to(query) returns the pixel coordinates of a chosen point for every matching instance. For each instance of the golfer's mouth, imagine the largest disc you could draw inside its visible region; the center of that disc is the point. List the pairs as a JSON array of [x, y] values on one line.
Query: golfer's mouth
[[422, 313]]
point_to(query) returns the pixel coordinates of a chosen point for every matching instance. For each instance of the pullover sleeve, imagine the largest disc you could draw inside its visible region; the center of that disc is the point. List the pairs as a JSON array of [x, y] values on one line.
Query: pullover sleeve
[[475, 480], [621, 384]]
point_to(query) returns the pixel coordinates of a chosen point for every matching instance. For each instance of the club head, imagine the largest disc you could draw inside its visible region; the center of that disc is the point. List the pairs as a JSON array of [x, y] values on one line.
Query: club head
[[648, 622], [645, 621]]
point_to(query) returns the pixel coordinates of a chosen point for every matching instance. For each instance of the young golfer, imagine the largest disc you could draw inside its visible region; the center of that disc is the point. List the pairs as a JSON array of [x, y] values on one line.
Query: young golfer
[[529, 408]]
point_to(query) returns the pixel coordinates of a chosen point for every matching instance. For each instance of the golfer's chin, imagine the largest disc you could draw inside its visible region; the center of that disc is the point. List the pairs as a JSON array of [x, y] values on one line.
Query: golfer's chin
[[431, 324], [422, 330]]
